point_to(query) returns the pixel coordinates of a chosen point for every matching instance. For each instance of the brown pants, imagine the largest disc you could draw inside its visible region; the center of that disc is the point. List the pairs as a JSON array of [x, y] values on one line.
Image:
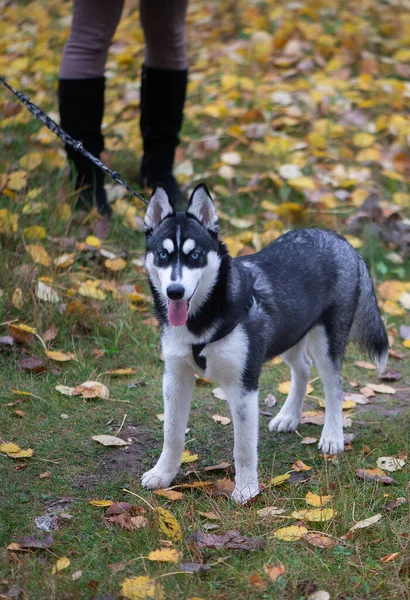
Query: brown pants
[[93, 27]]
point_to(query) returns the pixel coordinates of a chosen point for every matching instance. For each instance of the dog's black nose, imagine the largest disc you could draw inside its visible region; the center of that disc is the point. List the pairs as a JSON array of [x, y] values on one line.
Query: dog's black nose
[[175, 291]]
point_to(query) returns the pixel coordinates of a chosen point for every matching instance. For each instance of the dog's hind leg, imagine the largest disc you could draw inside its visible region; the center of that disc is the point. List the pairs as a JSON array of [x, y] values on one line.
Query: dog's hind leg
[[178, 387], [288, 418], [329, 368], [245, 417]]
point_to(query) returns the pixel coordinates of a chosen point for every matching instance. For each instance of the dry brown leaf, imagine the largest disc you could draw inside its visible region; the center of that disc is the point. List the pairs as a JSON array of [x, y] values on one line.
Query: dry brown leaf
[[222, 420], [274, 571], [209, 515], [365, 365], [218, 467], [30, 541], [395, 503], [232, 540], [381, 388], [319, 540], [91, 389], [375, 475], [299, 465], [109, 440], [223, 487], [270, 511], [390, 463], [257, 582], [120, 372], [390, 557], [170, 494], [50, 334], [366, 522]]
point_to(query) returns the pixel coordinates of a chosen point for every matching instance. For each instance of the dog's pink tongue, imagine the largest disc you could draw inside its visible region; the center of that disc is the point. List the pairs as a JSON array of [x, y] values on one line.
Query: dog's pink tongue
[[178, 312]]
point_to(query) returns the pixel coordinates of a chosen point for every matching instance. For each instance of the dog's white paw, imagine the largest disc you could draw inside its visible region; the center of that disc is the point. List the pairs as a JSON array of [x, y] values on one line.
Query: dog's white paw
[[157, 478], [331, 444], [284, 422], [245, 493]]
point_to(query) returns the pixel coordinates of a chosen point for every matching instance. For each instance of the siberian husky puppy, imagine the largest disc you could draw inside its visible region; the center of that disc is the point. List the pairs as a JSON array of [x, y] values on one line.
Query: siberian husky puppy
[[223, 318]]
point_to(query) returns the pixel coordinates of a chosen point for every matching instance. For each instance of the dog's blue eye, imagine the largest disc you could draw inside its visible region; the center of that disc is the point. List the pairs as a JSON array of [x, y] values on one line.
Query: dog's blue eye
[[163, 254], [195, 255]]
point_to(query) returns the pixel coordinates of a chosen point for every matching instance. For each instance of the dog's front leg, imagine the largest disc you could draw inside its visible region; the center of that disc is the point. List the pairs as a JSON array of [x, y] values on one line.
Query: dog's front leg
[[178, 386], [245, 417]]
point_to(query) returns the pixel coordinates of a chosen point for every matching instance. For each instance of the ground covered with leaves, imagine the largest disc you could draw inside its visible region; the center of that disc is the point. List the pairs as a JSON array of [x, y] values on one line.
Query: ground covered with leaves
[[297, 114]]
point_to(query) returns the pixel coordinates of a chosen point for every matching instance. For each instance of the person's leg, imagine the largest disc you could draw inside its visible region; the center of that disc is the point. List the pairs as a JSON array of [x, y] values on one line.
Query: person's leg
[[81, 90], [163, 88]]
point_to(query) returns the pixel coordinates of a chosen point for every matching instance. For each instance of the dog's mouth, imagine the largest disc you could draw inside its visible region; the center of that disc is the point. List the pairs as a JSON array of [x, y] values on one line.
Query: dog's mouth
[[178, 311]]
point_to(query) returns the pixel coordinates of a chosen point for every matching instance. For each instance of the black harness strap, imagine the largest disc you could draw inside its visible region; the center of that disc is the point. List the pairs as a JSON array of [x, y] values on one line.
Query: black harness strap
[[224, 331]]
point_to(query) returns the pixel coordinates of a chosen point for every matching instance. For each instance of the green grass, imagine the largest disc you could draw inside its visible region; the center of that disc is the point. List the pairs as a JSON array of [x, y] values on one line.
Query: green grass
[[81, 469]]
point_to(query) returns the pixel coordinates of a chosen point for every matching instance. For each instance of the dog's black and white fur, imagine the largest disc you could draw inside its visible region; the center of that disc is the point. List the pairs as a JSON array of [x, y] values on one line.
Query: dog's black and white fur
[[223, 318]]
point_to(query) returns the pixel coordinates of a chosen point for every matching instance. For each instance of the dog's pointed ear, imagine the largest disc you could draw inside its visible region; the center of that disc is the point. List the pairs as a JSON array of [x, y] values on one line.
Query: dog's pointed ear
[[159, 207], [202, 207]]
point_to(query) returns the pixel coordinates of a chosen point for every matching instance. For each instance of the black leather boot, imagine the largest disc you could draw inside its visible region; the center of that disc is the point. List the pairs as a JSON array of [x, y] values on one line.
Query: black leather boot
[[162, 105], [81, 104]]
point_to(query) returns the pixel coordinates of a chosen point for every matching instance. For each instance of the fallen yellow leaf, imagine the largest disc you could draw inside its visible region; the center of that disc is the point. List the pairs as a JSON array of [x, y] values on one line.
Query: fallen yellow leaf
[[165, 555], [284, 388], [30, 161], [279, 479], [65, 260], [315, 514], [170, 494], [115, 264], [316, 500], [17, 299], [39, 254], [35, 232], [17, 181], [21, 453], [93, 241], [101, 503], [142, 588], [61, 563], [187, 457], [168, 524], [290, 534], [89, 290], [9, 448], [59, 356], [8, 222]]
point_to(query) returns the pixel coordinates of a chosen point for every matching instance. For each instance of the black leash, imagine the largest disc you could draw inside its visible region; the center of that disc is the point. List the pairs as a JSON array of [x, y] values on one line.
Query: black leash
[[58, 131]]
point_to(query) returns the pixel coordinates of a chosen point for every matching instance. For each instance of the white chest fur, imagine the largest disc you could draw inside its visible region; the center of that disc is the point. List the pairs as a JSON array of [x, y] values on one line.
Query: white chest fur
[[225, 359]]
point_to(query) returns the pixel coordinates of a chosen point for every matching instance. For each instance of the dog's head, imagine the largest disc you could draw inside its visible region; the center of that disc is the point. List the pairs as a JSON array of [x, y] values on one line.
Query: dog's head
[[182, 257]]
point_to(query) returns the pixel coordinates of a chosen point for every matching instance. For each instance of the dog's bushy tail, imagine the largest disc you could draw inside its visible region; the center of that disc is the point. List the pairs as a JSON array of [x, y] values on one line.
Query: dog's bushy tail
[[368, 330]]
